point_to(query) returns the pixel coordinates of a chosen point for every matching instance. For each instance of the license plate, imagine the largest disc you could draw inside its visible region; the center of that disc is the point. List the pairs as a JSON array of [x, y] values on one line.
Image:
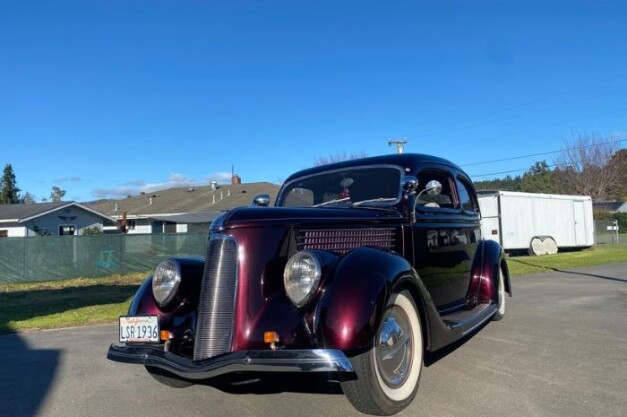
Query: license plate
[[139, 329]]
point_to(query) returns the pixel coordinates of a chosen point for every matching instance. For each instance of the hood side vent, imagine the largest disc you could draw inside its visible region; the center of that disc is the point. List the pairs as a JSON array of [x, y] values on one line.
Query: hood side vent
[[344, 240]]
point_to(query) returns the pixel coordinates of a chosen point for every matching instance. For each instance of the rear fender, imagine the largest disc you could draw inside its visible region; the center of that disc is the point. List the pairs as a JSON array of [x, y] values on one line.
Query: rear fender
[[489, 258]]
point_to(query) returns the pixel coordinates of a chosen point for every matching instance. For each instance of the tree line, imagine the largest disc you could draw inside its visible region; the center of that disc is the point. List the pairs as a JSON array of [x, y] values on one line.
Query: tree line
[[10, 193], [589, 165]]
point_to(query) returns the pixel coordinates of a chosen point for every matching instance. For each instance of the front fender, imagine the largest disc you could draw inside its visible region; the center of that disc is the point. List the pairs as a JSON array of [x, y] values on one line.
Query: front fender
[[349, 312], [144, 304]]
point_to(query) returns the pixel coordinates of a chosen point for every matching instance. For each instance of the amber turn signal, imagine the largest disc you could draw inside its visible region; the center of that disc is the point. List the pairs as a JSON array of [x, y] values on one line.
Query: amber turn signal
[[165, 335], [270, 337]]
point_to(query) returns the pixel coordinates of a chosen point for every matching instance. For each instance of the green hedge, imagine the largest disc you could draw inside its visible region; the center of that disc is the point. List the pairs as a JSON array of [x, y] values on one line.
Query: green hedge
[[621, 217]]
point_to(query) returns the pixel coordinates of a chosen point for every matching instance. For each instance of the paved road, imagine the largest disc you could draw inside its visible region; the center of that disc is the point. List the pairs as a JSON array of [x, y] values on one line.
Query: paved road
[[561, 351]]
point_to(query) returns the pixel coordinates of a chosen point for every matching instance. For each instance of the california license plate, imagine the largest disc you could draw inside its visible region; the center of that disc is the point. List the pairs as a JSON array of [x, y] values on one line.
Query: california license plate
[[139, 329]]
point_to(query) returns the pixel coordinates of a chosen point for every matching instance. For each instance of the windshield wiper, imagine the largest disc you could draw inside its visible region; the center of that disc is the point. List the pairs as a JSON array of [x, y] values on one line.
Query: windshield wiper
[[374, 200], [337, 200]]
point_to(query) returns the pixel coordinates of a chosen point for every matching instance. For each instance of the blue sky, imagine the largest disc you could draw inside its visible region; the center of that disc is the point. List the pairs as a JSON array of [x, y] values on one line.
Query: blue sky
[[109, 98]]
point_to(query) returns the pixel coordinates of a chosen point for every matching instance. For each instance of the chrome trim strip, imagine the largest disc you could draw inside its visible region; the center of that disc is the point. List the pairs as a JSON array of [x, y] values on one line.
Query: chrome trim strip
[[311, 360], [218, 296]]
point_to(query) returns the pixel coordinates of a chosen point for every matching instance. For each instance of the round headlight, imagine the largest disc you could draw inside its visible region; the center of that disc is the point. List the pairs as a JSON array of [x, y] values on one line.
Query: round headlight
[[165, 281], [301, 277]]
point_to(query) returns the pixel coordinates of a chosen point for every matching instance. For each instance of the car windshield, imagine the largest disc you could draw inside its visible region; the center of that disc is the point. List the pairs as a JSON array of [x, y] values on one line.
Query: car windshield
[[352, 187]]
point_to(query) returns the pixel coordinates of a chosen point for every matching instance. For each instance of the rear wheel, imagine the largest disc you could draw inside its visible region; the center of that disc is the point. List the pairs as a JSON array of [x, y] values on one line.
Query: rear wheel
[[536, 247], [549, 245], [167, 378], [388, 374], [500, 298]]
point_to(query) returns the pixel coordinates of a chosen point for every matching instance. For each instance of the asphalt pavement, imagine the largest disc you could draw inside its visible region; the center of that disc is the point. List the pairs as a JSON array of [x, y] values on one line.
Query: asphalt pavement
[[561, 350]]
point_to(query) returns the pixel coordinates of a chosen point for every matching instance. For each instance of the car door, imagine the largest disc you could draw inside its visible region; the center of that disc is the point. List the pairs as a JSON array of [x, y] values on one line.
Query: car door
[[445, 236]]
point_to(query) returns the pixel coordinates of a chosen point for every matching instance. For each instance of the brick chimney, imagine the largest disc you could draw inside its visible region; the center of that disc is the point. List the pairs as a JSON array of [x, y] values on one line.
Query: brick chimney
[[235, 179]]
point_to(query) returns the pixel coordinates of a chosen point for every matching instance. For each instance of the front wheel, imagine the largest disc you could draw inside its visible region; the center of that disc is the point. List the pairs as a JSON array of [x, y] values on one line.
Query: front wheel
[[388, 374]]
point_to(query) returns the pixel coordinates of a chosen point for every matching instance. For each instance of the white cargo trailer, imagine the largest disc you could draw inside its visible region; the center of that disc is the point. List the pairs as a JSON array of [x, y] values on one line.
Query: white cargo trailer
[[538, 223]]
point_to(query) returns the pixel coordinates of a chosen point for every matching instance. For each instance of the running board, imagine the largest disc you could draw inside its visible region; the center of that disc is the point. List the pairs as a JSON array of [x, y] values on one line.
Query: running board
[[468, 320]]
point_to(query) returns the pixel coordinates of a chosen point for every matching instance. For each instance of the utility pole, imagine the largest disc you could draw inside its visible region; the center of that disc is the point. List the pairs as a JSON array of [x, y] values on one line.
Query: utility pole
[[399, 144]]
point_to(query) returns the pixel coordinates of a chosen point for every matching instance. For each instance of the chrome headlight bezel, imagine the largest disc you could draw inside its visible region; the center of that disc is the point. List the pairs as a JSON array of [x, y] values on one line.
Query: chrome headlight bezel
[[166, 281], [301, 277]]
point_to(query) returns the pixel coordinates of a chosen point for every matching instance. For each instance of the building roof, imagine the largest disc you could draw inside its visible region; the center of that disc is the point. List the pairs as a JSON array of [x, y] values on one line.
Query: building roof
[[19, 213], [184, 200], [610, 206]]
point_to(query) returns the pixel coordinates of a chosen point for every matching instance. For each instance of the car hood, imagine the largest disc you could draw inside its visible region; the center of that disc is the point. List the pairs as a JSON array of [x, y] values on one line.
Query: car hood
[[257, 216]]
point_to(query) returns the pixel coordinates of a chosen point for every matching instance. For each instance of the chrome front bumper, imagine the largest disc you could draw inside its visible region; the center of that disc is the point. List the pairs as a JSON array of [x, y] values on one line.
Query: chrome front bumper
[[313, 360]]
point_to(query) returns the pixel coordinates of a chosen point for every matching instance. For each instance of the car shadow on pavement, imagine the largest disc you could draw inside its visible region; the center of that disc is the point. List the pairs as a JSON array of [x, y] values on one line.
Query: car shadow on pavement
[[565, 271], [433, 357], [274, 383], [323, 383], [26, 376]]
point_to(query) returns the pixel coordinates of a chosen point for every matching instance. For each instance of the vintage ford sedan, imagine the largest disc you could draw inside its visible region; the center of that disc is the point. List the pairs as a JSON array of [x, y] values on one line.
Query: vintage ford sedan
[[359, 268]]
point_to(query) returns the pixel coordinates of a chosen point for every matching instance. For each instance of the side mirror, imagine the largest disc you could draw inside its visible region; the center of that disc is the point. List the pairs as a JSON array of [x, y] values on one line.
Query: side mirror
[[262, 200], [433, 187]]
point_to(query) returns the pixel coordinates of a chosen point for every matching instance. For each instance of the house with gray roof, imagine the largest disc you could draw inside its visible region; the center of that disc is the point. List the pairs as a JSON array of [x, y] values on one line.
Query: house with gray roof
[[55, 219], [181, 209], [610, 206]]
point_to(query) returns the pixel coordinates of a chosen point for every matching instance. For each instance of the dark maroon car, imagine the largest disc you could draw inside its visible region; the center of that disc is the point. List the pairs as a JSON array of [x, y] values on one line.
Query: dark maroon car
[[359, 268]]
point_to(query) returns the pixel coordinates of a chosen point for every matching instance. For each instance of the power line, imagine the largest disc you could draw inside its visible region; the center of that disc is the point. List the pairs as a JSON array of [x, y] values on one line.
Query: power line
[[455, 146], [506, 172], [540, 154], [469, 123]]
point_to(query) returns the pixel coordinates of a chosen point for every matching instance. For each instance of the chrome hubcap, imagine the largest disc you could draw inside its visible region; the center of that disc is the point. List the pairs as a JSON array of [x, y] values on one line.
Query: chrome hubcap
[[393, 352]]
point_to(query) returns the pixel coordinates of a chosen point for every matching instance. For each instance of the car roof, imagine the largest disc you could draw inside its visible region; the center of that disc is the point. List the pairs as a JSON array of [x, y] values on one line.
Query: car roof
[[408, 161]]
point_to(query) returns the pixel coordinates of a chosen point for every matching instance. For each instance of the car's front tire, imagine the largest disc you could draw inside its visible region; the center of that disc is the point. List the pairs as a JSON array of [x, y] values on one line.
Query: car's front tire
[[167, 378], [389, 373]]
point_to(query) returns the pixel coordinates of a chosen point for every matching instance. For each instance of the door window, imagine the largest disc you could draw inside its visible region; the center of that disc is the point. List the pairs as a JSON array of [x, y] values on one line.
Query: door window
[[465, 197], [445, 199]]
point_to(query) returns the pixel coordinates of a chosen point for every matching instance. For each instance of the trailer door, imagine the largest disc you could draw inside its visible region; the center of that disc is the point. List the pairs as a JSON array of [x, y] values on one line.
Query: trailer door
[[490, 217], [580, 223]]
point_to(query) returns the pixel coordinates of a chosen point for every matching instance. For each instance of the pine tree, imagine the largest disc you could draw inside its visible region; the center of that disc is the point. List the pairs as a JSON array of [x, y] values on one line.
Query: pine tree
[[9, 191]]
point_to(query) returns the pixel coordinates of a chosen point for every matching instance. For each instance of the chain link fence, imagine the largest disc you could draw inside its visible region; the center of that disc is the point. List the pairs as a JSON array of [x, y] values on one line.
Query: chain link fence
[[59, 257], [605, 232]]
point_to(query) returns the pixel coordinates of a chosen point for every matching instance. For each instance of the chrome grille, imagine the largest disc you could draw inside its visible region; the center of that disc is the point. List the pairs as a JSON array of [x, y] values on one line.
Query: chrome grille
[[216, 307], [345, 240]]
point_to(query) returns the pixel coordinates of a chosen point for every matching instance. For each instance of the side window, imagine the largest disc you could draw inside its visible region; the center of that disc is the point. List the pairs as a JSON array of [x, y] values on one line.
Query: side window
[[445, 199], [465, 199]]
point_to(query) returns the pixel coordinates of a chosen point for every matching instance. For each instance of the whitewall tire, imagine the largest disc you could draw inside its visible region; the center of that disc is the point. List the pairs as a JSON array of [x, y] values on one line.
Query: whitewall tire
[[388, 374]]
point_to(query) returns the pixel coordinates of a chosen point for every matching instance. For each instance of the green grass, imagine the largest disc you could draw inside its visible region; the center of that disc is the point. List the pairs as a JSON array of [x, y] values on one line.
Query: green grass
[[84, 301], [66, 303], [597, 255]]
